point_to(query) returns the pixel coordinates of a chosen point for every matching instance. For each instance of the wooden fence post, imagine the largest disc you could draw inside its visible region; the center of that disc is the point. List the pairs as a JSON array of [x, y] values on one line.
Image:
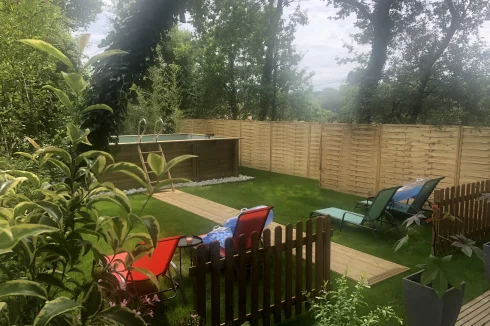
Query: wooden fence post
[[459, 154], [278, 274], [215, 283], [266, 284], [327, 247], [319, 255], [299, 268], [242, 279], [254, 284], [321, 155], [309, 257], [289, 270], [229, 281], [202, 253], [378, 159]]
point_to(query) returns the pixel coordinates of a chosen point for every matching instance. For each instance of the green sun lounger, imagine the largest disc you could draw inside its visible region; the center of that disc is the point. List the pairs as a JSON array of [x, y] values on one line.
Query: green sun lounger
[[408, 208], [376, 217]]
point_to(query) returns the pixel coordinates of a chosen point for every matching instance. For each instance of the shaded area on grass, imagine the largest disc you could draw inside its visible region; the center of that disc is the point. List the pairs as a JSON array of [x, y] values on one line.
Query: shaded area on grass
[[294, 198]]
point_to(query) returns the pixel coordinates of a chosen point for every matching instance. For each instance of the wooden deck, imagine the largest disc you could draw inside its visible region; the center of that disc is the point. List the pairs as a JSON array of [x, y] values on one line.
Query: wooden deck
[[343, 259], [476, 312]]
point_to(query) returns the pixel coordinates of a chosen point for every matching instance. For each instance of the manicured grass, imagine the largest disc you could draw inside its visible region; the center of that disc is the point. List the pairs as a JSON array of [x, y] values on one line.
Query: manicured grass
[[294, 198]]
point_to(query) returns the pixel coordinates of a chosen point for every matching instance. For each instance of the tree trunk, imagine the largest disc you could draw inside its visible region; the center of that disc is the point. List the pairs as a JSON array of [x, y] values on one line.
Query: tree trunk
[[426, 70], [267, 105], [232, 90], [382, 25]]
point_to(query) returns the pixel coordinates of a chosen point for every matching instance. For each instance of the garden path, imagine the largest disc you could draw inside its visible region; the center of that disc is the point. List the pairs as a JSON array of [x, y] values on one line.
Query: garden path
[[356, 263]]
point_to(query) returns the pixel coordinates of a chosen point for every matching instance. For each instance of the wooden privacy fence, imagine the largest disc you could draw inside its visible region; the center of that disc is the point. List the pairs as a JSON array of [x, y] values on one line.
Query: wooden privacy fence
[[469, 206], [358, 159], [265, 281]]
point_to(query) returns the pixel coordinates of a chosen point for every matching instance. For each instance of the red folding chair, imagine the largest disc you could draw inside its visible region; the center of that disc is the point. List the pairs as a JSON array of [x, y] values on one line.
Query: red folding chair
[[248, 222], [159, 264]]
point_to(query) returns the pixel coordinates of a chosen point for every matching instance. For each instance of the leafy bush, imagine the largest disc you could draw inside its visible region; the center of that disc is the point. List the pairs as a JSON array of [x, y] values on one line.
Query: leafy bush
[[49, 230], [438, 272], [339, 307]]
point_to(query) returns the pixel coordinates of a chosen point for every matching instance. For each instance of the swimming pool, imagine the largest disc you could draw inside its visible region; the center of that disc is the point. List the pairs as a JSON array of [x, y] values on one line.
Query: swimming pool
[[217, 157], [161, 138]]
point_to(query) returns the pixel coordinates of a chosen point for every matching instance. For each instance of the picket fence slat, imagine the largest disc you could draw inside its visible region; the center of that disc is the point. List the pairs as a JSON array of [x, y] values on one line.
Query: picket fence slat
[[229, 281], [249, 269], [266, 304], [471, 209], [215, 284], [242, 279], [254, 285], [299, 269], [277, 274]]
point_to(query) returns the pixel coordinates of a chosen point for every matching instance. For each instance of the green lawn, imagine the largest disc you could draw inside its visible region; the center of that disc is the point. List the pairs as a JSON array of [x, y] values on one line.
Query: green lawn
[[294, 198]]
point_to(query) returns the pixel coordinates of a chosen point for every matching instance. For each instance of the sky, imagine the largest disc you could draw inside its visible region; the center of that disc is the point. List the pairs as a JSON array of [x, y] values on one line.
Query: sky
[[321, 41]]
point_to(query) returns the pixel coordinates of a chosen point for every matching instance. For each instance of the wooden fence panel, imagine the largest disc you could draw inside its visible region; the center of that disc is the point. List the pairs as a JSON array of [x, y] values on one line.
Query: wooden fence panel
[[412, 152], [475, 155], [253, 269], [289, 146], [228, 128], [333, 143], [256, 145], [188, 126], [358, 159], [349, 156]]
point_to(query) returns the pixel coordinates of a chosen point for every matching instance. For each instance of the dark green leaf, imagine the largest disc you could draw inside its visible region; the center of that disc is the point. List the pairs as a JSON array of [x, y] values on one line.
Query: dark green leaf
[[54, 308], [152, 227], [92, 303], [23, 288]]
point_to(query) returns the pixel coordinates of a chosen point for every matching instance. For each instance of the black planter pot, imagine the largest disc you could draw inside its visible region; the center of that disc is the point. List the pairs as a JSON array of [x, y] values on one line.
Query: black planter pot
[[486, 251], [425, 308]]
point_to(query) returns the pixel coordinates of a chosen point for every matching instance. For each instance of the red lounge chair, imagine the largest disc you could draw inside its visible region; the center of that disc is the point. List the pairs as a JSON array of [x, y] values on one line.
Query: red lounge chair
[[158, 264], [248, 222]]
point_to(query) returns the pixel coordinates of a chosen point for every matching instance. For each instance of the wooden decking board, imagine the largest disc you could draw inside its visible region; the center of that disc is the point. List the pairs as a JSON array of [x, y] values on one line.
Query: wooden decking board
[[355, 263], [475, 312]]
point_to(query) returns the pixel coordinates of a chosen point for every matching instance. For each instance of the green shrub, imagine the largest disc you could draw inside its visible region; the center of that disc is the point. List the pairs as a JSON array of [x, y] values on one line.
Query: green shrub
[[49, 228], [340, 307]]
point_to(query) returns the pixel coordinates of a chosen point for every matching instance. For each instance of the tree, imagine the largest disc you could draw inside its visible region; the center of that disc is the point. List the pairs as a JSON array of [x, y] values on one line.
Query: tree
[[229, 33], [25, 108], [137, 29], [379, 22], [442, 22], [80, 12]]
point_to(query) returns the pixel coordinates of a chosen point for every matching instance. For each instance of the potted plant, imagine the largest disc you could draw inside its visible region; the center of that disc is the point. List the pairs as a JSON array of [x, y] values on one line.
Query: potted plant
[[434, 295]]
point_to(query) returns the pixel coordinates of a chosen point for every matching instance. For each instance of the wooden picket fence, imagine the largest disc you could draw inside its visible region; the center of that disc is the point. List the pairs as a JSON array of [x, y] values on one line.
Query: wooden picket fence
[[271, 289], [466, 203]]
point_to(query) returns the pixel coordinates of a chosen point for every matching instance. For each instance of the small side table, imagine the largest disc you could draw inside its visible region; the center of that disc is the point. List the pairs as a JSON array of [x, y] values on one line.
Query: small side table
[[184, 244]]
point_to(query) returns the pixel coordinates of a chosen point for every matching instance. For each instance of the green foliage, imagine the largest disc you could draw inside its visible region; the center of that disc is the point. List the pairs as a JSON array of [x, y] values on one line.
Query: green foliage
[[439, 273], [48, 230], [161, 101], [136, 30], [340, 307], [25, 108]]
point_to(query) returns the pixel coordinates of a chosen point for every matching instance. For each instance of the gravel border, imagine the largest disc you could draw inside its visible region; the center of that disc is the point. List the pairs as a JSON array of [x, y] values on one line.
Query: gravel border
[[240, 178]]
